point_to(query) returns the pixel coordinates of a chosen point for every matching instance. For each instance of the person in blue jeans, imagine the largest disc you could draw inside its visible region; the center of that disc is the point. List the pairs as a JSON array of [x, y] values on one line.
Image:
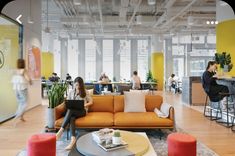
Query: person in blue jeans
[[20, 81]]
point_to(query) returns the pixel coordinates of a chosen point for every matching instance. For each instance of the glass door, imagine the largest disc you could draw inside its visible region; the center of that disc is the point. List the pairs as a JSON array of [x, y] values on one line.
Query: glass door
[[9, 52]]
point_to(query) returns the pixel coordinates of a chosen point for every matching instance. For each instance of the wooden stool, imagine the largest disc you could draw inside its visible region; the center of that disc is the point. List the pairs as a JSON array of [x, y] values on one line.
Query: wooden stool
[[42, 145], [181, 145]]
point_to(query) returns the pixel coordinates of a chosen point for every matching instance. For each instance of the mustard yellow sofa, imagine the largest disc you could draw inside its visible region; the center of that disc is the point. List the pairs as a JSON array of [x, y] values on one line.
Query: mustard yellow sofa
[[108, 112]]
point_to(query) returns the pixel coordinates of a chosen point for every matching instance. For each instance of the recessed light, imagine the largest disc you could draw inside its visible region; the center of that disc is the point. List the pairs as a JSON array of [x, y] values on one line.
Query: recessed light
[[212, 22], [207, 22], [216, 22]]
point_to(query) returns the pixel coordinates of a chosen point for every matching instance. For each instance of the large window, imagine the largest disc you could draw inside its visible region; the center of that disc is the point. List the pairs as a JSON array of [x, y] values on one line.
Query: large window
[[108, 58], [125, 57], [73, 58], [178, 67], [142, 59], [90, 60]]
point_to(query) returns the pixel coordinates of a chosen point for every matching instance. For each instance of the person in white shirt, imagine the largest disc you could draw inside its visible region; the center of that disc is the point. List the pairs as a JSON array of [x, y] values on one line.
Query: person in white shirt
[[136, 82], [20, 81], [173, 82]]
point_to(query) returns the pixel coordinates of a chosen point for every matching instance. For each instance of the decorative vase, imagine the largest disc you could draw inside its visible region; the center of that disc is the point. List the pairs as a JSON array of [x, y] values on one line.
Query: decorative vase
[[116, 140], [50, 117]]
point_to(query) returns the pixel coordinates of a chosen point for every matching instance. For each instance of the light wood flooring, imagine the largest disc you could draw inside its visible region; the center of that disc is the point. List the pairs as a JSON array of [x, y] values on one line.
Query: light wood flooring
[[215, 136]]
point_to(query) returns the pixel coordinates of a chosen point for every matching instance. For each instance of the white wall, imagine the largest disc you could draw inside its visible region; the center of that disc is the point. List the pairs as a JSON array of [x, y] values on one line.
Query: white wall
[[32, 37]]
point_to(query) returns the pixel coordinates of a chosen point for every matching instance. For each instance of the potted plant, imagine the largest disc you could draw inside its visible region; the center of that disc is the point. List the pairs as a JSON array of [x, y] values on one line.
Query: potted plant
[[224, 60], [55, 97], [116, 139], [149, 78]]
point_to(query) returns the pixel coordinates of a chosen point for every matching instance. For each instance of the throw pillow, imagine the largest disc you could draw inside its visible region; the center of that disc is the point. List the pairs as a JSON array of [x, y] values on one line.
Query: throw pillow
[[134, 102]]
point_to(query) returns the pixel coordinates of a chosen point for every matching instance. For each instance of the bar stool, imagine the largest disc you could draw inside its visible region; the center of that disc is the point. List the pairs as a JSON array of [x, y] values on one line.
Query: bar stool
[[227, 123], [209, 108]]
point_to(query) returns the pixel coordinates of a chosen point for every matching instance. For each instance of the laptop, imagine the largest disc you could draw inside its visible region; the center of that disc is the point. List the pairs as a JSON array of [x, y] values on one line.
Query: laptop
[[74, 104]]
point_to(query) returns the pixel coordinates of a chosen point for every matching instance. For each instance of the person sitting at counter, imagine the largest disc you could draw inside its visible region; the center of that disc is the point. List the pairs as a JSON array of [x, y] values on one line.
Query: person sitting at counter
[[54, 78], [104, 80], [136, 82], [173, 82], [210, 85]]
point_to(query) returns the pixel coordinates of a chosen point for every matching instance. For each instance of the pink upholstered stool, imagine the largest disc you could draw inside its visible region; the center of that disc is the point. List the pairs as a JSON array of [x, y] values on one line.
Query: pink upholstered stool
[[42, 145], [181, 145]]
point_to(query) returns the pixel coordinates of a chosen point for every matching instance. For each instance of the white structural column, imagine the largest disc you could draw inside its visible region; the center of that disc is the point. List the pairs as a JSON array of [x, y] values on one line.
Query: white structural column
[[116, 59], [99, 58], [64, 57], [157, 43], [134, 56], [81, 58], [168, 58]]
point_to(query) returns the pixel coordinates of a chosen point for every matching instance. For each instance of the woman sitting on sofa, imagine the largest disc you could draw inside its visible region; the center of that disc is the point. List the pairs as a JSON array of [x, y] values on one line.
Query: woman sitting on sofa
[[78, 93]]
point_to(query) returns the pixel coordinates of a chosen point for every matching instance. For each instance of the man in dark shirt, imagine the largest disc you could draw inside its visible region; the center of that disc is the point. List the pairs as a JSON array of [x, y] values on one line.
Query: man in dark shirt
[[210, 85]]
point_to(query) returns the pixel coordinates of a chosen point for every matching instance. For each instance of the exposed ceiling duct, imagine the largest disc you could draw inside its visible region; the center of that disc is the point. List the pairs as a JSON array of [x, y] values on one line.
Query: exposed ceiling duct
[[127, 16]]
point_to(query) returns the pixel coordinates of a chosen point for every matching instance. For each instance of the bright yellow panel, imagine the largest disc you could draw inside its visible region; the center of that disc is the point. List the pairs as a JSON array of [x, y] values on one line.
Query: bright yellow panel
[[157, 68], [47, 64]]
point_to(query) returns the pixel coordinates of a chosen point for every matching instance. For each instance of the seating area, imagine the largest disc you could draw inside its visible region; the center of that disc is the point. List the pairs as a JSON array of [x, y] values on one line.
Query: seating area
[[117, 78], [108, 112]]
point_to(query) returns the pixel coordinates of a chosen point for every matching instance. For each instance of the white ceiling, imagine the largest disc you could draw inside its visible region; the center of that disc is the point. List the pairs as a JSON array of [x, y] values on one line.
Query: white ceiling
[[118, 17]]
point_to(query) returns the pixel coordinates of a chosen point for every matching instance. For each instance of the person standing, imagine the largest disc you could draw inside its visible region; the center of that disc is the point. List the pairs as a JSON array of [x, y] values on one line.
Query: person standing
[[136, 81], [20, 81]]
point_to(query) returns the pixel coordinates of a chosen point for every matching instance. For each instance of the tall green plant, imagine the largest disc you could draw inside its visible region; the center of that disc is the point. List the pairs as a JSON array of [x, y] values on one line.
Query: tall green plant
[[56, 94], [149, 77], [224, 59]]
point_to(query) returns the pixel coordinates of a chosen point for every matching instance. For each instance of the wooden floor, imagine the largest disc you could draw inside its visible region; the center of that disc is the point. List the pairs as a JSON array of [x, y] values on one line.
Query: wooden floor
[[215, 136]]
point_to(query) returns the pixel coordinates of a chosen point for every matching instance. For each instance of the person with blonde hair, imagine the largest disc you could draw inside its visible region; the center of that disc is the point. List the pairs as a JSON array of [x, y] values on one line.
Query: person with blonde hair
[[20, 81]]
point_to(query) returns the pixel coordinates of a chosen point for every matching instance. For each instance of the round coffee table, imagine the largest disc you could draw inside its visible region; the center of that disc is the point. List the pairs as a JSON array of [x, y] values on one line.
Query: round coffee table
[[137, 145]]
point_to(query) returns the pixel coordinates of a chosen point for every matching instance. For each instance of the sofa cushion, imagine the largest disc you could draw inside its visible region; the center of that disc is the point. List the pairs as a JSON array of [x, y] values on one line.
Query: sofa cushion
[[95, 119], [147, 119], [102, 104], [152, 102], [118, 103], [92, 119], [134, 102]]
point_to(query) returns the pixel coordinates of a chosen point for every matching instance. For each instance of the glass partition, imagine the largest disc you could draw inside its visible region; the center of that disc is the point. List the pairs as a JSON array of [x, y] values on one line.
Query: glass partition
[[10, 50]]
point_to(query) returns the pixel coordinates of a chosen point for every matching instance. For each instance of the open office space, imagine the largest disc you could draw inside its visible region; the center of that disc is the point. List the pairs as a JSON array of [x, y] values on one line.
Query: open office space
[[117, 77]]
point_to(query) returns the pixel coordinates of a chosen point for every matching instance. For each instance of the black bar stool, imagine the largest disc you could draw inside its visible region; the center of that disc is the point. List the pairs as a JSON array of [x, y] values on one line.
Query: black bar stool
[[209, 108], [227, 113]]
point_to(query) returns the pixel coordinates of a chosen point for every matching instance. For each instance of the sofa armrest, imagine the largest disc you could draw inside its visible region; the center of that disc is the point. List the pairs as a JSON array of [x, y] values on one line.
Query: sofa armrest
[[59, 110], [172, 114]]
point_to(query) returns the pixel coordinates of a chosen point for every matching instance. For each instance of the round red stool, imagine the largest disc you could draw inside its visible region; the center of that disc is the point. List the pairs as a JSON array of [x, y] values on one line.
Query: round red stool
[[181, 145], [42, 145]]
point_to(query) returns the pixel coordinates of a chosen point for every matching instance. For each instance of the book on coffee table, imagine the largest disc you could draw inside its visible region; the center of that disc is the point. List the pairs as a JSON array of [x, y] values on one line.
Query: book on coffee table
[[110, 147]]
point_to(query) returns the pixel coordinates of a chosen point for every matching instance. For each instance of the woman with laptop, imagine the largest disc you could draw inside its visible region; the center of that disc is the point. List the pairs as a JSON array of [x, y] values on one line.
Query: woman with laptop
[[73, 112]]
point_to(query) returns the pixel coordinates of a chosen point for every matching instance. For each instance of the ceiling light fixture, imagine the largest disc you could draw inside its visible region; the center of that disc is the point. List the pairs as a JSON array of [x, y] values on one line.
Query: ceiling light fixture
[[190, 20], [151, 2], [216, 22], [212, 22], [138, 19], [207, 22], [77, 2]]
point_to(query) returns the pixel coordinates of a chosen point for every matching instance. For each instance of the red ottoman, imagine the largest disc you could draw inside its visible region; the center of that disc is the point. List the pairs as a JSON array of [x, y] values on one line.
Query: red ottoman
[[42, 145], [181, 145]]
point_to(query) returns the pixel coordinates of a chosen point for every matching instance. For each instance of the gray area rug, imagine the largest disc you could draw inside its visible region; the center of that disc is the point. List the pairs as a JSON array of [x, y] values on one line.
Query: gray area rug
[[157, 139]]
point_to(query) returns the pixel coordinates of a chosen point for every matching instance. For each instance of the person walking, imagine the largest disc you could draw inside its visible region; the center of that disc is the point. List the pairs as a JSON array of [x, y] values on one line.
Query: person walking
[[20, 82]]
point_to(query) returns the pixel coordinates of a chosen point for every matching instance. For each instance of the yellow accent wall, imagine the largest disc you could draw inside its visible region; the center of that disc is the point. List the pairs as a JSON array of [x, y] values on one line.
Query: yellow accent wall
[[157, 68], [47, 64], [225, 40]]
